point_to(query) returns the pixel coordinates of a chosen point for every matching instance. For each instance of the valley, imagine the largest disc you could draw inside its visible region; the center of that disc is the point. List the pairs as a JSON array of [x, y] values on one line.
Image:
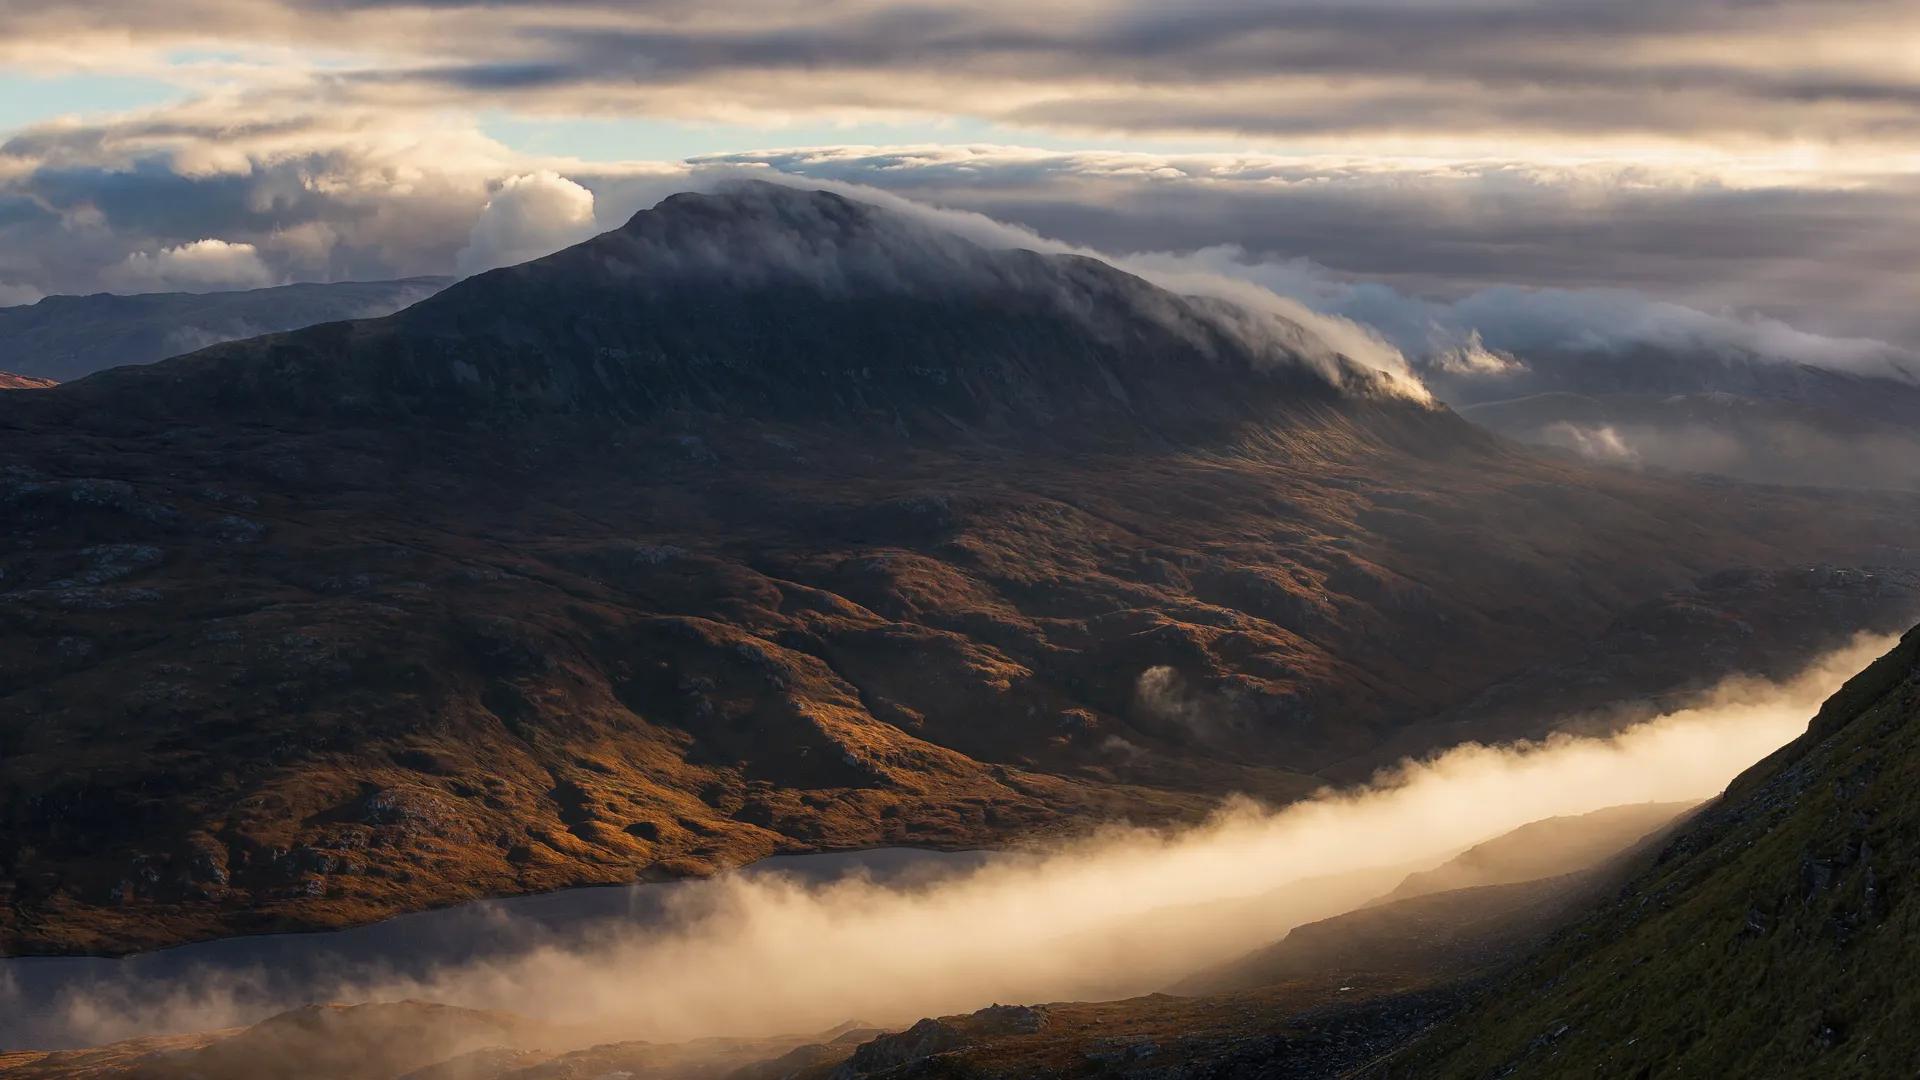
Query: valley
[[1133, 656]]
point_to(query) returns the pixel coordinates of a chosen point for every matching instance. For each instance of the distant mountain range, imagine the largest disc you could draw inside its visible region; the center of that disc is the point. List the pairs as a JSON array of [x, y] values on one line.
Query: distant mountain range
[[66, 337], [1739, 415], [774, 521]]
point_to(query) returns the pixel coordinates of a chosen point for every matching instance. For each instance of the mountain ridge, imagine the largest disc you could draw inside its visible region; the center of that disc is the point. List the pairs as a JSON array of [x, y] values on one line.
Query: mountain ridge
[[834, 309], [67, 337]]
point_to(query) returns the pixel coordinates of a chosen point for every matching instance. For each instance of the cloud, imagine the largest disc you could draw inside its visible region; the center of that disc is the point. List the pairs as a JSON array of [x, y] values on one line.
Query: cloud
[[1830, 253], [1726, 71], [531, 215], [1123, 911], [12, 293], [1509, 330], [201, 266]]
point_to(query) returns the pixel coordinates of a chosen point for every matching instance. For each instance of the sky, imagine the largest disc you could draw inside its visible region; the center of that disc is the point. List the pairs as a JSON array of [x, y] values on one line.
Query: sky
[[1756, 161]]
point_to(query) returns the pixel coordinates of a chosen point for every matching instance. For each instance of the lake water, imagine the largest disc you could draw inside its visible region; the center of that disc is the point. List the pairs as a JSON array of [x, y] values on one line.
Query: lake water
[[281, 971]]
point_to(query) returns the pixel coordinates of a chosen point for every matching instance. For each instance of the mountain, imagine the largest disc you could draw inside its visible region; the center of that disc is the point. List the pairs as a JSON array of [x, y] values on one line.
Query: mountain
[[1543, 849], [1770, 937], [1477, 909], [774, 521], [23, 382], [1730, 413], [66, 337], [1878, 388], [767, 306]]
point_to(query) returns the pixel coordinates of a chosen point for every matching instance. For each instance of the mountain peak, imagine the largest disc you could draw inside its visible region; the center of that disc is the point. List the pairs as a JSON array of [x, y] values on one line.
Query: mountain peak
[[768, 302]]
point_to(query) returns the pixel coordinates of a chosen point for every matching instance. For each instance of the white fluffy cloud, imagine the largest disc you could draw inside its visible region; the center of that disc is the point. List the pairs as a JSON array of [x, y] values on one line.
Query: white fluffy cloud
[[207, 265], [530, 215]]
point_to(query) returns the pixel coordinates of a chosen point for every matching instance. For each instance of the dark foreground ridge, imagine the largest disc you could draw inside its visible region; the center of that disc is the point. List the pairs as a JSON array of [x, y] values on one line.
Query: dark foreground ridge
[[776, 522], [1775, 936]]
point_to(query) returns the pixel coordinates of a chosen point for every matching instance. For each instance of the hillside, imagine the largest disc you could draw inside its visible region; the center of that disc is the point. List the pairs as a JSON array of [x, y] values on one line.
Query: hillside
[[1472, 912], [1774, 936], [775, 522], [23, 382], [1542, 849], [66, 337]]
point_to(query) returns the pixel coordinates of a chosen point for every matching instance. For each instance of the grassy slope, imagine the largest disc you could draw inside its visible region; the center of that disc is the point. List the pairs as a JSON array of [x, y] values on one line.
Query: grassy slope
[[1774, 937]]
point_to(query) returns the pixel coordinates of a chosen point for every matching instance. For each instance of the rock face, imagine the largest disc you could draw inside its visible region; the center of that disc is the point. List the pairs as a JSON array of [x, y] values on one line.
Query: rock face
[[66, 337], [771, 522], [1773, 936]]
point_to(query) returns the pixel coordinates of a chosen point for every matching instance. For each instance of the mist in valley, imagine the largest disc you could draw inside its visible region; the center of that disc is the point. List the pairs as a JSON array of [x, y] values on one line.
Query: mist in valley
[[1118, 912]]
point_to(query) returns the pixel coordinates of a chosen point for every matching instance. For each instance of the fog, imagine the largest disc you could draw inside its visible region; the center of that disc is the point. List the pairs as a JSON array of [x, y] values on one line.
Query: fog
[[1516, 324], [1117, 912]]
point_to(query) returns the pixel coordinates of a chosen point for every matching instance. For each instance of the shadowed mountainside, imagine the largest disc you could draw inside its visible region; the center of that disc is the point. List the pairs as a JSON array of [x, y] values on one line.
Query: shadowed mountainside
[[1771, 937], [775, 522], [66, 337]]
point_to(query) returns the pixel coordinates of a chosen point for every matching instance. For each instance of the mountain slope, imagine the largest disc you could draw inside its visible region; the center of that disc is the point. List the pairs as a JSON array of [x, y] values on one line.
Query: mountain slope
[[23, 382], [66, 337], [1480, 908], [1542, 849], [1774, 936], [774, 522]]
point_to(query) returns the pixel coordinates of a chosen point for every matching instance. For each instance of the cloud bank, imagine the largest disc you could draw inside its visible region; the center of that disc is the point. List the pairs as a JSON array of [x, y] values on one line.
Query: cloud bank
[[1120, 912], [1491, 70], [202, 266], [531, 215]]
